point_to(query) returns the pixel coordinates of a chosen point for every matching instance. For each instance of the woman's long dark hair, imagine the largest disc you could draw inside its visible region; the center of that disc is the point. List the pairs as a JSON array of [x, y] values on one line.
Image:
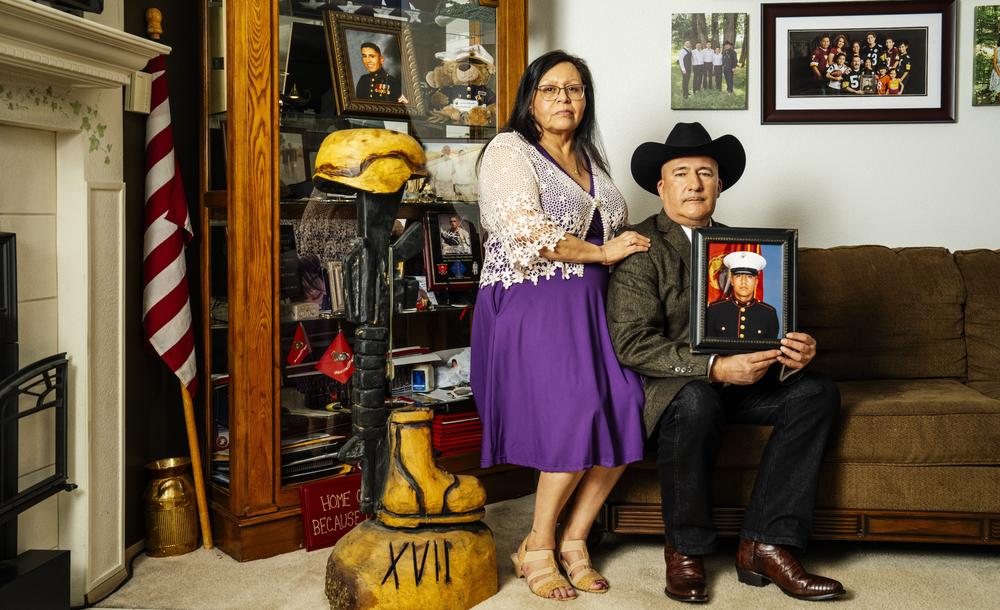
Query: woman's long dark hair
[[586, 138]]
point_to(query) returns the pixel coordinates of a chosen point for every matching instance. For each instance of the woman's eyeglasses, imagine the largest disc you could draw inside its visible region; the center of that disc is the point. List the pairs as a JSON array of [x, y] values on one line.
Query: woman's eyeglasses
[[551, 92]]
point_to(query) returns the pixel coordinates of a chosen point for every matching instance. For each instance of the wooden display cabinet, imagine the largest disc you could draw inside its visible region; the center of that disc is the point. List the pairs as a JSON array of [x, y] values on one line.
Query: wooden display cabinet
[[254, 513]]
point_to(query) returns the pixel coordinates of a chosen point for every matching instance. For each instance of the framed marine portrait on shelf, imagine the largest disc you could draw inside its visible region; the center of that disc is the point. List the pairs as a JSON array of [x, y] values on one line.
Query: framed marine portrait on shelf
[[453, 253], [709, 66], [858, 62], [373, 66], [743, 288]]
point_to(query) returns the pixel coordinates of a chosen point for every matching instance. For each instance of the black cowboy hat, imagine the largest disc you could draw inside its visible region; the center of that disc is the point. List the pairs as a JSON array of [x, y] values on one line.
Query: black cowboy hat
[[688, 140]]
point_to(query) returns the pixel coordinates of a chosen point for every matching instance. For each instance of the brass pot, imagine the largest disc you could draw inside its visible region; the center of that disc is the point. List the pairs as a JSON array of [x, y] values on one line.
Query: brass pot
[[170, 508]]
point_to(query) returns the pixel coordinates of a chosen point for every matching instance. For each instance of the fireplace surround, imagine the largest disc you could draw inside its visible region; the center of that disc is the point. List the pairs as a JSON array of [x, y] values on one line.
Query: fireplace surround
[[61, 79]]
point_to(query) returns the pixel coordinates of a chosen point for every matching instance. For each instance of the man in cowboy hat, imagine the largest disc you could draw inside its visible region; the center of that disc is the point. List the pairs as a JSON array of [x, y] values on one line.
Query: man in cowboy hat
[[739, 315], [689, 397]]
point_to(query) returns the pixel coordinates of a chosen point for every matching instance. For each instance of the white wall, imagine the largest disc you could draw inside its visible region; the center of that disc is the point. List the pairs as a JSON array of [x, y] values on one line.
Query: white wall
[[945, 185]]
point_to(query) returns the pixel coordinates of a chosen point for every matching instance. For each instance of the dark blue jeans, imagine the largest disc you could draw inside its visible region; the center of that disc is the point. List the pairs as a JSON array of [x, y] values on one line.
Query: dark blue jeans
[[802, 413]]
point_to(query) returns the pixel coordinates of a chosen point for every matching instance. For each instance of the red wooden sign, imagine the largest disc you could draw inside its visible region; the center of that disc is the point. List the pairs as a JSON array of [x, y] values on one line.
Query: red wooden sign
[[330, 509]]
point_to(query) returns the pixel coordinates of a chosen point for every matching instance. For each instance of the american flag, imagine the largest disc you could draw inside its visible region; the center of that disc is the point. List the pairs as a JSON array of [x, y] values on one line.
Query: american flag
[[166, 302]]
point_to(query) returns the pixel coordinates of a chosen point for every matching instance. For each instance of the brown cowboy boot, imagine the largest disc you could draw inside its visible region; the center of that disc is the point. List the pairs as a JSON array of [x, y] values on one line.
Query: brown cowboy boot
[[417, 492], [685, 576], [758, 564]]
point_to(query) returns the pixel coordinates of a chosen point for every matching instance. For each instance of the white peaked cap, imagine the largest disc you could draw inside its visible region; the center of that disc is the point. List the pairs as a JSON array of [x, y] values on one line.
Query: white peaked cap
[[468, 53], [744, 261]]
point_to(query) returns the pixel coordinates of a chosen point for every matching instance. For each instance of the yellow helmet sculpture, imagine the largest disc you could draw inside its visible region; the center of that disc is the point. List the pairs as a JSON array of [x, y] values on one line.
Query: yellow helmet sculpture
[[372, 160]]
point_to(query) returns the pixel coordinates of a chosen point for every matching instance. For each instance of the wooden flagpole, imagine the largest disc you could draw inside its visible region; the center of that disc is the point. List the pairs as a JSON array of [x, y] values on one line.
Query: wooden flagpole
[[153, 27], [199, 480]]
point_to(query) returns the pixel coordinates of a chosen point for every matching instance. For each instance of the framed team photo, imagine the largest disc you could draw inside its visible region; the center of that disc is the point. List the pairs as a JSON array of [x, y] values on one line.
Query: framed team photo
[[453, 252], [709, 67], [743, 288], [373, 65], [859, 62], [986, 57]]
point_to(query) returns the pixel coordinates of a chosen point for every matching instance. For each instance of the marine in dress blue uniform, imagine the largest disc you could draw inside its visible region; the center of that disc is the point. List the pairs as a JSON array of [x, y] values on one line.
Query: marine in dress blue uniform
[[741, 316]]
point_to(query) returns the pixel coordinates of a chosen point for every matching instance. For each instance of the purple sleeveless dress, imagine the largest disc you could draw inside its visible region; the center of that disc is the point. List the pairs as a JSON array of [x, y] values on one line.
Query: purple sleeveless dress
[[549, 389]]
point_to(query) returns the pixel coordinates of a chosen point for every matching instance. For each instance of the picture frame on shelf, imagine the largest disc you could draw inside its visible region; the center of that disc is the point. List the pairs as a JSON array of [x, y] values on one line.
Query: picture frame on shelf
[[453, 253], [452, 168], [743, 287], [805, 82], [291, 158], [373, 66]]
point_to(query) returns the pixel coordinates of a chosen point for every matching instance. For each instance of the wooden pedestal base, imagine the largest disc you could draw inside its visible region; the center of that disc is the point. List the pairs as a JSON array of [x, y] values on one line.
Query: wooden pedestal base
[[415, 569]]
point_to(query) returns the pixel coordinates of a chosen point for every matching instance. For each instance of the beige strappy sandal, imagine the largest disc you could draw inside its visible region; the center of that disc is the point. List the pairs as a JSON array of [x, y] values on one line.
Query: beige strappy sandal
[[584, 579], [543, 580]]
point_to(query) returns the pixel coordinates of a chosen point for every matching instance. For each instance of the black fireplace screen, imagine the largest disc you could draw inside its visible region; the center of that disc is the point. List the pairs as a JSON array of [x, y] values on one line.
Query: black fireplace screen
[[31, 391]]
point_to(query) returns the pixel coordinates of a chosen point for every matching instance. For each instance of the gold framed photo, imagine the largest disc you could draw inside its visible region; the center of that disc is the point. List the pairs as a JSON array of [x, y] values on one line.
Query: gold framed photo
[[373, 66]]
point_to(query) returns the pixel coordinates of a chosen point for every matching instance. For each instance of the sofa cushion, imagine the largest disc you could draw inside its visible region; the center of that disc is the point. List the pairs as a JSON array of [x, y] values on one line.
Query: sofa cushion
[[847, 486], [880, 313], [981, 271], [989, 388], [919, 421]]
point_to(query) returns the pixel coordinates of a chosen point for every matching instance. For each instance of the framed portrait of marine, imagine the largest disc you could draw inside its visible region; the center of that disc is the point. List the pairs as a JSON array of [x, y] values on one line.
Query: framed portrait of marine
[[373, 66], [743, 288], [453, 253], [858, 62]]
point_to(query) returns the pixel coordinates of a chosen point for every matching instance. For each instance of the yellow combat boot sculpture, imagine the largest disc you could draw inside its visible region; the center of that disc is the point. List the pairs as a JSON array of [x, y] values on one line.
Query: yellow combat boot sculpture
[[417, 492]]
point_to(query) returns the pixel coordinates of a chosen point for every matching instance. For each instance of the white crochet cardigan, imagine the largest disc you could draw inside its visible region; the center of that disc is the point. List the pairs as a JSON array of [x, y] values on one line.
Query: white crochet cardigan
[[528, 203]]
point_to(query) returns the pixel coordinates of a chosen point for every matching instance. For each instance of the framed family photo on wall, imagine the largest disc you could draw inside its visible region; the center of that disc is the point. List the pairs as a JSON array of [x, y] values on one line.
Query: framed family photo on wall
[[743, 287], [373, 66], [986, 57], [709, 69], [858, 62]]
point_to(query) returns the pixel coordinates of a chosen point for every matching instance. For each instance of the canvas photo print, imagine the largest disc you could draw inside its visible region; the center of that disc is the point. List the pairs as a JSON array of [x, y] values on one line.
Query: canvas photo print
[[986, 59], [709, 67]]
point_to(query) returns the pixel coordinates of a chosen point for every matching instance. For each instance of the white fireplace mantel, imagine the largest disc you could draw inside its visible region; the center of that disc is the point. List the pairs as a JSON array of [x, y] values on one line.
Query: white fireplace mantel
[[61, 78], [39, 41]]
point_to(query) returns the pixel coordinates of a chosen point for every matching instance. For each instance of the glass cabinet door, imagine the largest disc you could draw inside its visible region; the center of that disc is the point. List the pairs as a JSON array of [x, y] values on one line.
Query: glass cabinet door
[[421, 67], [215, 248], [217, 353]]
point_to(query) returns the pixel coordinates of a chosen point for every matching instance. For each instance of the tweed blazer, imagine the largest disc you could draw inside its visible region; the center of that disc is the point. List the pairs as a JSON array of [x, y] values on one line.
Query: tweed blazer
[[649, 315]]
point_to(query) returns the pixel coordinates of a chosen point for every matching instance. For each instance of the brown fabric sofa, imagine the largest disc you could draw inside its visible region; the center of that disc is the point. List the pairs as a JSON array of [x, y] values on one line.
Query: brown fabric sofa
[[912, 337]]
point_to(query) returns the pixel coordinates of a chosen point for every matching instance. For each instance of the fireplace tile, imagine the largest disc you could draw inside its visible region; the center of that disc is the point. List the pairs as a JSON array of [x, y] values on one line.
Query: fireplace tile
[[28, 157], [37, 323], [36, 254]]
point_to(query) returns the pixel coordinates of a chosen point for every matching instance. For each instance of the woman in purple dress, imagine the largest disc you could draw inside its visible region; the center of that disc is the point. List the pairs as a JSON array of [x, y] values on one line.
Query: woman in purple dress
[[550, 391]]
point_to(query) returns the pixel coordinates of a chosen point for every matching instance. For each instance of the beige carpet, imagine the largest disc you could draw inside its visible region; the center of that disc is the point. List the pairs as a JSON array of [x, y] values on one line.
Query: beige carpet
[[876, 576]]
